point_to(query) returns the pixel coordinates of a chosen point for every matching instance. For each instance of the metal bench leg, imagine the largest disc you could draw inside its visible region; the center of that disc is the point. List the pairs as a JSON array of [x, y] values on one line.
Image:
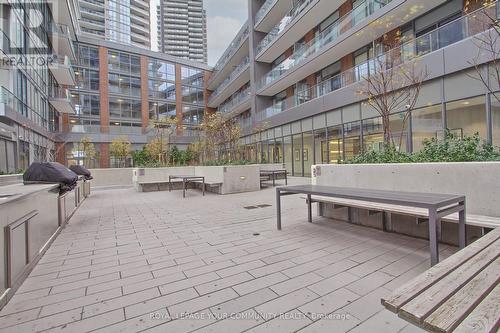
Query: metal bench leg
[[278, 208], [309, 209], [274, 179], [169, 184], [286, 178], [183, 188], [203, 186], [433, 241], [462, 237]]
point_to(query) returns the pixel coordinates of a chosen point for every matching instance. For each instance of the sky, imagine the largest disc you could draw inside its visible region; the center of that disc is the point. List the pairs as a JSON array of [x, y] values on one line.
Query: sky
[[224, 20]]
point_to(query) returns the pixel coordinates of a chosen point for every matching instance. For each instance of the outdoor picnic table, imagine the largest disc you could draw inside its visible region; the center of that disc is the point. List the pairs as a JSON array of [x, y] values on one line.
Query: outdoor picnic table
[[273, 174], [460, 294], [185, 180], [438, 205]]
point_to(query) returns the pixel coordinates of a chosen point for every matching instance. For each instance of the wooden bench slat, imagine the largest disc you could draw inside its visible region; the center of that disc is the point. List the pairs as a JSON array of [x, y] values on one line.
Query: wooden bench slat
[[460, 304], [485, 318], [407, 292], [426, 302], [475, 220]]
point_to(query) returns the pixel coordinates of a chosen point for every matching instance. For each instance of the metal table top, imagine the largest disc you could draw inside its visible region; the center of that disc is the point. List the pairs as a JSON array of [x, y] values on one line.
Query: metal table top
[[412, 199]]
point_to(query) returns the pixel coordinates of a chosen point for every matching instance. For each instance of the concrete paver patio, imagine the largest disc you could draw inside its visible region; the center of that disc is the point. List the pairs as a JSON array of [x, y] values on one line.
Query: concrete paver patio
[[155, 262]]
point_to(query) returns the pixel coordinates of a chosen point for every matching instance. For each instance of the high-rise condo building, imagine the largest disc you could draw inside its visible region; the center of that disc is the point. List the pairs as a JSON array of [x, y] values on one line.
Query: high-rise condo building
[[182, 29], [122, 21], [294, 76]]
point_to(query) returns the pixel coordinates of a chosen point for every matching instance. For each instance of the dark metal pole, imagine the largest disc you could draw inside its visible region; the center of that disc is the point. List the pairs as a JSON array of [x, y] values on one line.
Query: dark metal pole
[[278, 208]]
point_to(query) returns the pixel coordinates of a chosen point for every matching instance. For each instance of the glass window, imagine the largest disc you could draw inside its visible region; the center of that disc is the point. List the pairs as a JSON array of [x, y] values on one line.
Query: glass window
[[335, 145], [495, 119], [352, 140], [467, 117], [308, 153], [426, 124], [321, 147], [287, 145], [297, 158], [373, 134]]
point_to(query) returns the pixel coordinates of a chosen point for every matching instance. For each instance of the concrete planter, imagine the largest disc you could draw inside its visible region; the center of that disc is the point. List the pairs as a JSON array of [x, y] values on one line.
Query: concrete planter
[[230, 179], [234, 179], [478, 181], [112, 177]]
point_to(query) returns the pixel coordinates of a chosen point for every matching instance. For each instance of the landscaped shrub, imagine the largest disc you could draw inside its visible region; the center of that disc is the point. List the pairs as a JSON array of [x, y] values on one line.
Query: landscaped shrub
[[225, 162], [450, 149]]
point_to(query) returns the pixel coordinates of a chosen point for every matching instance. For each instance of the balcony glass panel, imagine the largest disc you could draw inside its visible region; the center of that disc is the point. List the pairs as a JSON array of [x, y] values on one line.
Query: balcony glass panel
[[298, 8], [353, 18], [461, 28]]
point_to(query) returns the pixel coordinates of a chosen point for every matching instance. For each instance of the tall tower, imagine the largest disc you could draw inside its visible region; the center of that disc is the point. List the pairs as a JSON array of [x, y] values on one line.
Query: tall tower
[[122, 21], [182, 29]]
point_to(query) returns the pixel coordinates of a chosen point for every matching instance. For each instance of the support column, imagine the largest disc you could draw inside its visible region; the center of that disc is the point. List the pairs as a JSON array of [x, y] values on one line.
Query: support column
[[103, 89], [144, 93], [178, 97]]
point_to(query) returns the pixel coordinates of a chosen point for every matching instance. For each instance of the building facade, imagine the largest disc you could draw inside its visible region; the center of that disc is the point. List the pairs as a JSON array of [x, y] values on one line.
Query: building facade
[[182, 29], [35, 74], [120, 90], [121, 21], [292, 76]]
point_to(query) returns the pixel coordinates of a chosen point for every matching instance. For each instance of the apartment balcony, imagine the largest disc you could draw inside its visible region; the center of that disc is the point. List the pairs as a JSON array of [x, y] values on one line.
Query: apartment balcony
[[343, 37], [93, 24], [236, 105], [92, 4], [300, 19], [237, 50], [61, 100], [63, 72], [12, 107], [238, 77], [453, 39], [270, 13], [62, 12], [60, 37]]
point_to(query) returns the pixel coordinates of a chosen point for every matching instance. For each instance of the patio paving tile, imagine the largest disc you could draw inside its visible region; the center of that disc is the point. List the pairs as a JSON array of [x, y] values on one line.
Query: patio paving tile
[[154, 262]]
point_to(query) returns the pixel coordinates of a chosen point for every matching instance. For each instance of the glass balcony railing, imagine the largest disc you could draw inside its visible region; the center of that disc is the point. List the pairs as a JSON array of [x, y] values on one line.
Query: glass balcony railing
[[235, 73], [9, 100], [64, 62], [64, 32], [464, 27], [264, 9], [328, 36], [235, 100], [285, 22], [231, 50]]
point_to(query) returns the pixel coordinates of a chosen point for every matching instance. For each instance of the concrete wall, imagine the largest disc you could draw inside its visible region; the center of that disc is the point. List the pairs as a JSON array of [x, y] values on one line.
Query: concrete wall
[[234, 179], [112, 177], [11, 179], [479, 182], [274, 166]]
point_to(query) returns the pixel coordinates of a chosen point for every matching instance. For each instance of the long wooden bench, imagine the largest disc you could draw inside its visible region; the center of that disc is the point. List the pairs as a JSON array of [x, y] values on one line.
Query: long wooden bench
[[163, 184], [419, 213], [460, 294]]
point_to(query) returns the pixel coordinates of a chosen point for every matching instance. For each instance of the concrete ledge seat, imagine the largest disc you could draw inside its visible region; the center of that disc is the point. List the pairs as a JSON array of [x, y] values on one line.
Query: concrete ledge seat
[[471, 219]]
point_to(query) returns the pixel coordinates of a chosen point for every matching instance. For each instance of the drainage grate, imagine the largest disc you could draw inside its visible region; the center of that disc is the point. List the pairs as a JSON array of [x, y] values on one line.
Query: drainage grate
[[264, 206]]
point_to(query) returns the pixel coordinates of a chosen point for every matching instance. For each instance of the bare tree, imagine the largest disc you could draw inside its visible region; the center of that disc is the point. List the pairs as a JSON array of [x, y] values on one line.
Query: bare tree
[[487, 40], [391, 86], [220, 137], [163, 130]]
